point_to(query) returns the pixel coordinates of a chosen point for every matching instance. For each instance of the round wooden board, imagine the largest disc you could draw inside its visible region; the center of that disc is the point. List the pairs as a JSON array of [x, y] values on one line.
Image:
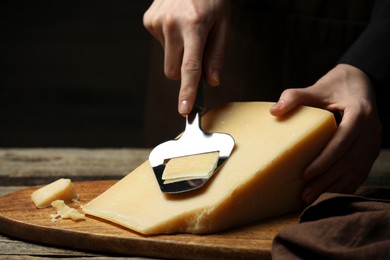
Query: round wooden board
[[21, 219]]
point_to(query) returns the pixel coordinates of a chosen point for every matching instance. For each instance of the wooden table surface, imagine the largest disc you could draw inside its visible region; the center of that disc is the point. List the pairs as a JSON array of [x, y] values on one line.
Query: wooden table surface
[[26, 167]]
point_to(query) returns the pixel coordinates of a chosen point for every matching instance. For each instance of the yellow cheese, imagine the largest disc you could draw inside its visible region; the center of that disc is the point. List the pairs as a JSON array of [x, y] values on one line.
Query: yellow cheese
[[64, 211], [262, 177], [61, 189], [190, 167]]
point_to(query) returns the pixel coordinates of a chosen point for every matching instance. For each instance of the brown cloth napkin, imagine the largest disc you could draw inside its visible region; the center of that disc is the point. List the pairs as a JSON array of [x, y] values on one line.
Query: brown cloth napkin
[[338, 226]]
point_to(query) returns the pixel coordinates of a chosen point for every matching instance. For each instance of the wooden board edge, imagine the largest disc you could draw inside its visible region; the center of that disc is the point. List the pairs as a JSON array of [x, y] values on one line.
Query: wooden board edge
[[126, 246]]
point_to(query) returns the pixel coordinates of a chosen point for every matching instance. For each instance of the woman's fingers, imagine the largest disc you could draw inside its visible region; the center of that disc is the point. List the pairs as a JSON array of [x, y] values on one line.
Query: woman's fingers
[[193, 34], [346, 160]]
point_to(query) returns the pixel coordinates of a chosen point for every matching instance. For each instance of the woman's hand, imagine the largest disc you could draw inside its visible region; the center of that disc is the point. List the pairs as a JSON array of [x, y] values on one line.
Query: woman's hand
[[347, 159], [193, 33]]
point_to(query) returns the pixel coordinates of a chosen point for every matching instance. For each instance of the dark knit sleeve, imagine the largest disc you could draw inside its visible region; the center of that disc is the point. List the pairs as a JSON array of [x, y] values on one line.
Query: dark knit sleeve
[[371, 51]]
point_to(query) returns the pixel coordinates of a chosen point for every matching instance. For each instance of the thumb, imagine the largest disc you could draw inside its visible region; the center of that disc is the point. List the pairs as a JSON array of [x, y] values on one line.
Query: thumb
[[289, 99], [316, 96]]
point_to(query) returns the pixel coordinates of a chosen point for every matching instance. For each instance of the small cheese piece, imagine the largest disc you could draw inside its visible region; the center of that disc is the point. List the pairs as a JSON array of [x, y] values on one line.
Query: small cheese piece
[[262, 177], [190, 167], [61, 189], [64, 211]]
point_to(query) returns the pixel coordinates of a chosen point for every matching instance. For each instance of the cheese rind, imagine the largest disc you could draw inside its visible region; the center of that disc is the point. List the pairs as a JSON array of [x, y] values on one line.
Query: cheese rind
[[261, 178], [61, 189]]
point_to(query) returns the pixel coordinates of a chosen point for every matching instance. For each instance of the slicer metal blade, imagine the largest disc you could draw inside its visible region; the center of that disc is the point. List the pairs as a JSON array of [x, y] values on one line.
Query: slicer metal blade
[[193, 141]]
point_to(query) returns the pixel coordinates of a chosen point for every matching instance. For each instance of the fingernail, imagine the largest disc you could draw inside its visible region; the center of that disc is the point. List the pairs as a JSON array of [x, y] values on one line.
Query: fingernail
[[215, 77], [184, 107], [278, 104], [275, 107], [274, 110]]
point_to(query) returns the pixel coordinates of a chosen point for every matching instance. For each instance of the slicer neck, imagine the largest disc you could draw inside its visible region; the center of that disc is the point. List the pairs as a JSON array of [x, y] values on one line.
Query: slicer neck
[[193, 124]]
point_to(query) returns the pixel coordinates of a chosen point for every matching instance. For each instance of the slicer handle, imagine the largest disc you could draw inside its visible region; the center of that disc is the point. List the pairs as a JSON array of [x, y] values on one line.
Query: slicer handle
[[199, 100]]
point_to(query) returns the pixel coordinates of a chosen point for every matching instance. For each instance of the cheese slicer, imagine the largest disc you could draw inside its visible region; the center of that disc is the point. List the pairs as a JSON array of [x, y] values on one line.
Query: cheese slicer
[[192, 141]]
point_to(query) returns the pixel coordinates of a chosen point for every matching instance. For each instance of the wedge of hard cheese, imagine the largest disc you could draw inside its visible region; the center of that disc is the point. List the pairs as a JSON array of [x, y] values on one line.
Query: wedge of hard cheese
[[261, 178], [61, 189]]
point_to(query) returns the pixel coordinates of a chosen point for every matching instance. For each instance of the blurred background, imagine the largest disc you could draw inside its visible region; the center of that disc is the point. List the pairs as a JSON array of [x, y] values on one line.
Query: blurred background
[[88, 74], [73, 73]]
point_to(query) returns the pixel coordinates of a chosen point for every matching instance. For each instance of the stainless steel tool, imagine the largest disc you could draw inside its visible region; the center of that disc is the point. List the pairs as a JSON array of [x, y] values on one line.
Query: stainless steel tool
[[193, 141]]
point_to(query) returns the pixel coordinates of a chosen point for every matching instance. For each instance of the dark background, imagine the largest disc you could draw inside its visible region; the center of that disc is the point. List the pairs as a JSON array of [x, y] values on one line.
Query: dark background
[[88, 74], [73, 73]]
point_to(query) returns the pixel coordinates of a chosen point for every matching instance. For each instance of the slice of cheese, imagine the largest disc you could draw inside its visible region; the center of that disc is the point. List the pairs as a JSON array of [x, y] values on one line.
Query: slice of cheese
[[61, 189], [190, 167], [262, 177]]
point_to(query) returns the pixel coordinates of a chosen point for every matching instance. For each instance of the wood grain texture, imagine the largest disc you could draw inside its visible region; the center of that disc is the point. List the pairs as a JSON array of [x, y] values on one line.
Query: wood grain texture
[[19, 218], [24, 166], [38, 166]]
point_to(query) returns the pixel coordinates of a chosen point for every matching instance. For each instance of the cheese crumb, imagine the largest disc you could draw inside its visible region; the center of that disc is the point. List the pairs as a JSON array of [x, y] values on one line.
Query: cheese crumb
[[64, 211]]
